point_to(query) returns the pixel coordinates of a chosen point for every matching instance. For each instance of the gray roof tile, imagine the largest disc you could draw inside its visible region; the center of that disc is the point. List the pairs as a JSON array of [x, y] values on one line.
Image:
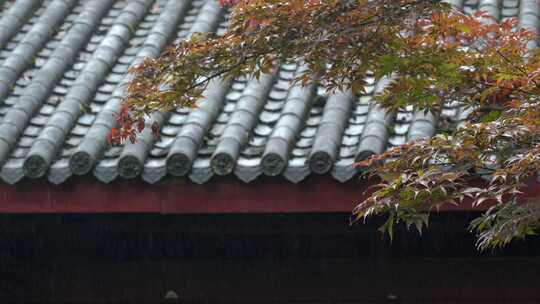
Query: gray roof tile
[[326, 143], [46, 78], [423, 125], [38, 35], [14, 18], [63, 64]]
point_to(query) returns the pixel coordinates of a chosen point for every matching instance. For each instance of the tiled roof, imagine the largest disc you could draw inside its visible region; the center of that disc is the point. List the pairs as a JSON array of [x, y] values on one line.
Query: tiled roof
[[63, 64]]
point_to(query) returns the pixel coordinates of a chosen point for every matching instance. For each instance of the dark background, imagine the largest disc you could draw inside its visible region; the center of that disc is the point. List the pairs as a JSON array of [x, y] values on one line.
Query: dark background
[[256, 258]]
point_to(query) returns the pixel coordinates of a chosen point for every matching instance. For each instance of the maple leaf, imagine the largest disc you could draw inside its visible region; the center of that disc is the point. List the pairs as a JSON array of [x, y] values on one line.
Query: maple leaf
[[425, 55]]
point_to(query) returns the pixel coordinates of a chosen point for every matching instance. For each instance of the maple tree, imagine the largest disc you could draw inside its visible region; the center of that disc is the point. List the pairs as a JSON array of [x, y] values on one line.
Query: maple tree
[[428, 53]]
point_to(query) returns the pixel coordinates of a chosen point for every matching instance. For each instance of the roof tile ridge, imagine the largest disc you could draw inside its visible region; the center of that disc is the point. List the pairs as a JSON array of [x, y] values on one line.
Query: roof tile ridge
[[134, 155], [37, 37], [325, 148], [288, 126], [13, 19], [185, 146], [491, 7], [374, 138], [34, 95], [423, 125], [248, 168], [94, 142], [237, 130], [84, 88], [529, 12]]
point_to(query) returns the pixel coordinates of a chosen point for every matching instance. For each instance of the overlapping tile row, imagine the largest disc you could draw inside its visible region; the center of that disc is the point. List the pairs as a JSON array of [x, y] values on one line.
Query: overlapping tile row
[[160, 29], [49, 141], [63, 67], [14, 17]]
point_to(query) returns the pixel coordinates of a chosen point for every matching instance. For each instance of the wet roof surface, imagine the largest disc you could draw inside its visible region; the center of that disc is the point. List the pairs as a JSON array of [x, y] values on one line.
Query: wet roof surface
[[63, 64]]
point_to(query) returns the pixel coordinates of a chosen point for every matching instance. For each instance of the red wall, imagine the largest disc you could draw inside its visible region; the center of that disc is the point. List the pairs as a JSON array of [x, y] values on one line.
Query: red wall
[[225, 195]]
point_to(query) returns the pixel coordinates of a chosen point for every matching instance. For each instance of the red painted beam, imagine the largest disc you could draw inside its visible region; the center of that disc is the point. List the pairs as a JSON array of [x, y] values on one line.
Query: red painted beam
[[225, 195]]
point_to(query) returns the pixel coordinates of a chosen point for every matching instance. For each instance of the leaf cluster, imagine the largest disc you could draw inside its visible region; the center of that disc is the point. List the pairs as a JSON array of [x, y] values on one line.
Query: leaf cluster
[[430, 55]]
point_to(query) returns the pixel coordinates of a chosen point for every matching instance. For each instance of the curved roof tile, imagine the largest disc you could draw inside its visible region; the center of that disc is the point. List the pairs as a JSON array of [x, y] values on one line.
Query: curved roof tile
[[63, 64]]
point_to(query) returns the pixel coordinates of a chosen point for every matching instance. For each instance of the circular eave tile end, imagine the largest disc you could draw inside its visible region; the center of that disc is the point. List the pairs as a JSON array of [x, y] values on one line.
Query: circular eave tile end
[[35, 166], [129, 167], [81, 163], [222, 164], [320, 162], [178, 164], [273, 164]]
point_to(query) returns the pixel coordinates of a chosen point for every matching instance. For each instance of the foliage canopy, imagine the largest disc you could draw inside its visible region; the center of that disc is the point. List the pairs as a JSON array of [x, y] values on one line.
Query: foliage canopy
[[429, 53]]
